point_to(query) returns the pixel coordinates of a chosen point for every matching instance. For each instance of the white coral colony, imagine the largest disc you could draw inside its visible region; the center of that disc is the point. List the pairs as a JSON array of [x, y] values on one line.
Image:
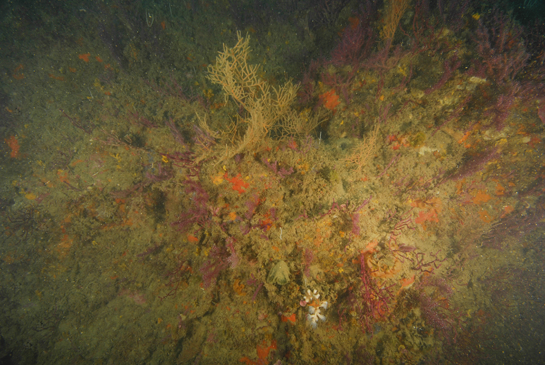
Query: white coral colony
[[312, 299]]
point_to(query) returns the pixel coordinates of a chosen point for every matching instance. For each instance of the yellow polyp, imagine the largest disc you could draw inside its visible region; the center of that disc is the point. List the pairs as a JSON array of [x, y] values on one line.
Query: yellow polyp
[[116, 156], [165, 159], [218, 179]]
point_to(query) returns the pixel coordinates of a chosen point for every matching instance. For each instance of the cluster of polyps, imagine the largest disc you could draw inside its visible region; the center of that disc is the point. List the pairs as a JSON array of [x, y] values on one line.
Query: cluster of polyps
[[312, 299]]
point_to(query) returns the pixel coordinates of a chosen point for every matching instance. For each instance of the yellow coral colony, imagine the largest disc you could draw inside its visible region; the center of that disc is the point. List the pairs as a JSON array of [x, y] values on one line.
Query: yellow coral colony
[[266, 108]]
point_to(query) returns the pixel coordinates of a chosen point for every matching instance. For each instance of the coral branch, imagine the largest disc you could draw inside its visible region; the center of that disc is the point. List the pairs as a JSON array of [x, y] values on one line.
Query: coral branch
[[501, 48], [212, 267], [449, 67]]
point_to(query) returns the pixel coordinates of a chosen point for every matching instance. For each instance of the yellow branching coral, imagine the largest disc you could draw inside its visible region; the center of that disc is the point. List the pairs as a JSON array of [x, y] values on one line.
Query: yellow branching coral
[[394, 10], [266, 108], [364, 150]]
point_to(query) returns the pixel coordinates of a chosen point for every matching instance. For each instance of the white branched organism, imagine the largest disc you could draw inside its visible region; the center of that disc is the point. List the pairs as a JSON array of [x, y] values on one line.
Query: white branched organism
[[312, 299]]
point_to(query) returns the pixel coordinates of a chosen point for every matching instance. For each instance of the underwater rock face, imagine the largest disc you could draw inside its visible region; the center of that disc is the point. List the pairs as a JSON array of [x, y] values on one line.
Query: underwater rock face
[[279, 274]]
